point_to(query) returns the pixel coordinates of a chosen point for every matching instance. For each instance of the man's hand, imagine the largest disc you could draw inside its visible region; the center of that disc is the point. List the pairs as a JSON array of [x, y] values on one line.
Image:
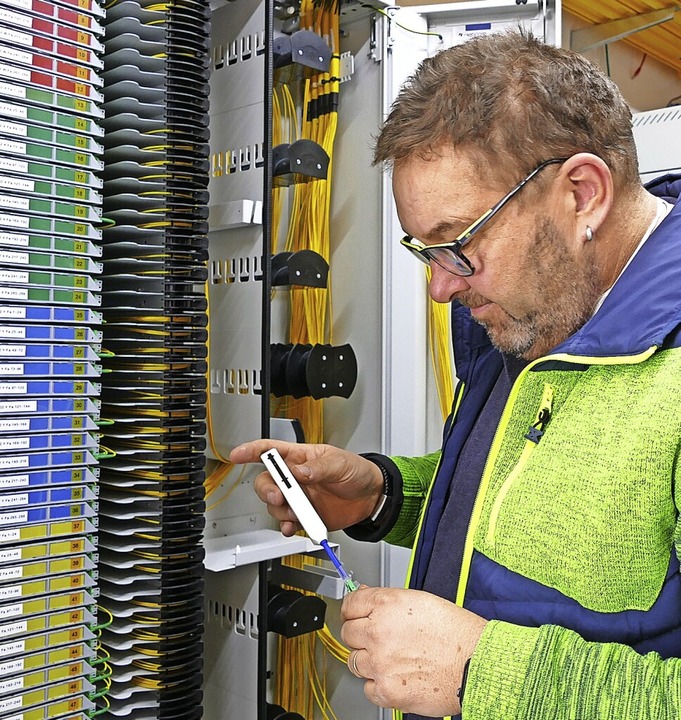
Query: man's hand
[[410, 646], [344, 488]]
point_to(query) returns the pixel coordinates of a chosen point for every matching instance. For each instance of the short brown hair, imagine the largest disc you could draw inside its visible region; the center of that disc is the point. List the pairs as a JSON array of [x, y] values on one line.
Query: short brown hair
[[512, 101]]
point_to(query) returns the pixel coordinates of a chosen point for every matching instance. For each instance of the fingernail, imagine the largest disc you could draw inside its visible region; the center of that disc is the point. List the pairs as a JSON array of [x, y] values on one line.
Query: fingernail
[[304, 470]]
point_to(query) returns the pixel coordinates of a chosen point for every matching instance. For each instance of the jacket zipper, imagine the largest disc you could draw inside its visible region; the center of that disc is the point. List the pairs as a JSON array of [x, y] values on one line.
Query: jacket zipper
[[532, 438], [484, 483]]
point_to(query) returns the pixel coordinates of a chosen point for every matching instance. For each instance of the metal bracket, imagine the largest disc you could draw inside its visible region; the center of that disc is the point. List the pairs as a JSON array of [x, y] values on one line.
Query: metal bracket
[[592, 37], [390, 11], [315, 578], [375, 39], [347, 66]]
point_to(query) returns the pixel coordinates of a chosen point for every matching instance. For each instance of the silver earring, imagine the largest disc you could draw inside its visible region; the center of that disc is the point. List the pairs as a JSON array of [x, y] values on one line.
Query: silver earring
[[589, 234]]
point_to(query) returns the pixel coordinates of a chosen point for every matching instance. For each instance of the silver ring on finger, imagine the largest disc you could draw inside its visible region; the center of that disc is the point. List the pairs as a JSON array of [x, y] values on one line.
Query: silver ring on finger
[[353, 664]]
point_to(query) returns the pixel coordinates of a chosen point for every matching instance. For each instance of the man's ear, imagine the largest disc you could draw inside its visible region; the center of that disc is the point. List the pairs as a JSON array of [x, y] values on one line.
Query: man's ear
[[589, 181]]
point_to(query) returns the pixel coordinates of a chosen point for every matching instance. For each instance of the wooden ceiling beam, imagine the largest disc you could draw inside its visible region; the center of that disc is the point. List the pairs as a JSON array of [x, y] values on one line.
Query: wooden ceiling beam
[[594, 36]]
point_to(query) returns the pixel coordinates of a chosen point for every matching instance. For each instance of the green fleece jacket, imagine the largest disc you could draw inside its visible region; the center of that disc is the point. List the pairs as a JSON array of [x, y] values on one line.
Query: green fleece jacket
[[592, 511]]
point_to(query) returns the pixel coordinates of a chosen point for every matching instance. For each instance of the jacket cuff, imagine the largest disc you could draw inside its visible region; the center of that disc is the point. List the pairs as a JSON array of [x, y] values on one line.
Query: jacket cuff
[[498, 671], [376, 528]]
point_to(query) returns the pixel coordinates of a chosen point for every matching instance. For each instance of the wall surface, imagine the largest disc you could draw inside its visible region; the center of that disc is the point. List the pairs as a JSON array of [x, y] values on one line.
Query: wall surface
[[652, 86]]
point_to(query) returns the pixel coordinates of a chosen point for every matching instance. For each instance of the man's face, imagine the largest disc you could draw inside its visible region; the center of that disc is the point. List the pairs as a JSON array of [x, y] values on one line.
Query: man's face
[[532, 286]]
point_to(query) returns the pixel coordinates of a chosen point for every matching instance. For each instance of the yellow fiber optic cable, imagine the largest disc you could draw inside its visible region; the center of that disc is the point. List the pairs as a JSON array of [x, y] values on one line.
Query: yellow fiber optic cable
[[229, 490], [104, 675], [97, 629], [215, 478], [209, 416], [332, 645], [102, 656], [277, 192], [318, 687], [299, 686], [440, 343], [104, 453], [107, 705]]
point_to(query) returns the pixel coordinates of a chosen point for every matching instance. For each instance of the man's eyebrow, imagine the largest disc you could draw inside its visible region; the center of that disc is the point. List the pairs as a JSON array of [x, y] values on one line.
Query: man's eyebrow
[[457, 226]]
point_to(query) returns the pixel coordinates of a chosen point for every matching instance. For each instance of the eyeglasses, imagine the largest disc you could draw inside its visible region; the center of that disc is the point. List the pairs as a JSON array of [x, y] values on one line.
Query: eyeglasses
[[448, 255]]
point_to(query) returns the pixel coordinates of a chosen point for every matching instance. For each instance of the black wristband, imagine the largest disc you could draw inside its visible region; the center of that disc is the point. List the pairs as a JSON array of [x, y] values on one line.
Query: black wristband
[[377, 526], [464, 677], [387, 492]]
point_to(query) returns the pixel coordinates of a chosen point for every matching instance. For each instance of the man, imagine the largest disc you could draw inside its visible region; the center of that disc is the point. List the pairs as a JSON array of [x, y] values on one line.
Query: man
[[545, 580]]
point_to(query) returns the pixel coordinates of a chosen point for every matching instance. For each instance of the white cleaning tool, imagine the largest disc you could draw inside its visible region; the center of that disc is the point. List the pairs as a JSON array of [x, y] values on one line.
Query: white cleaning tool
[[303, 509]]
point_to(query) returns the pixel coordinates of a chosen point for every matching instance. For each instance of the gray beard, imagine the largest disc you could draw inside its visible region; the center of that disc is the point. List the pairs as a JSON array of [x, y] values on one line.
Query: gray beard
[[569, 295]]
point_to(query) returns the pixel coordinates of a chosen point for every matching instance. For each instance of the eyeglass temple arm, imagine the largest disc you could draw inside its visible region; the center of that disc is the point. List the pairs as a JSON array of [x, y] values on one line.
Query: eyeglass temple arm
[[482, 221]]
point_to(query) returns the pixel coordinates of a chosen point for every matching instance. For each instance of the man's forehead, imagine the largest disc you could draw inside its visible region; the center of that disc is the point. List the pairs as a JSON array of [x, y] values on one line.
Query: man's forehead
[[445, 193], [451, 171]]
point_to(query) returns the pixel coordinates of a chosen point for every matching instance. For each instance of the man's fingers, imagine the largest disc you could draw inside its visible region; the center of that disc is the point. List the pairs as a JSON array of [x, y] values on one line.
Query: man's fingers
[[289, 529], [354, 613], [355, 633], [250, 452], [359, 604], [353, 665], [266, 489]]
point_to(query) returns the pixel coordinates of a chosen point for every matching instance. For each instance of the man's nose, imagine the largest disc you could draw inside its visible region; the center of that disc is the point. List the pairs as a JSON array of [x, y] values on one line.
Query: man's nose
[[445, 286]]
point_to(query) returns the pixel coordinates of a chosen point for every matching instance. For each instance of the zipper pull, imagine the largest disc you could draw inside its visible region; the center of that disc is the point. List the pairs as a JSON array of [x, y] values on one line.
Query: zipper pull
[[537, 429]]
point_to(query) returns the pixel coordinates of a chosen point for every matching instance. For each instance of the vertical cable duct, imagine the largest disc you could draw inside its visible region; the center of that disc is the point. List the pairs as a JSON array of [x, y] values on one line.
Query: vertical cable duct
[[154, 390]]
